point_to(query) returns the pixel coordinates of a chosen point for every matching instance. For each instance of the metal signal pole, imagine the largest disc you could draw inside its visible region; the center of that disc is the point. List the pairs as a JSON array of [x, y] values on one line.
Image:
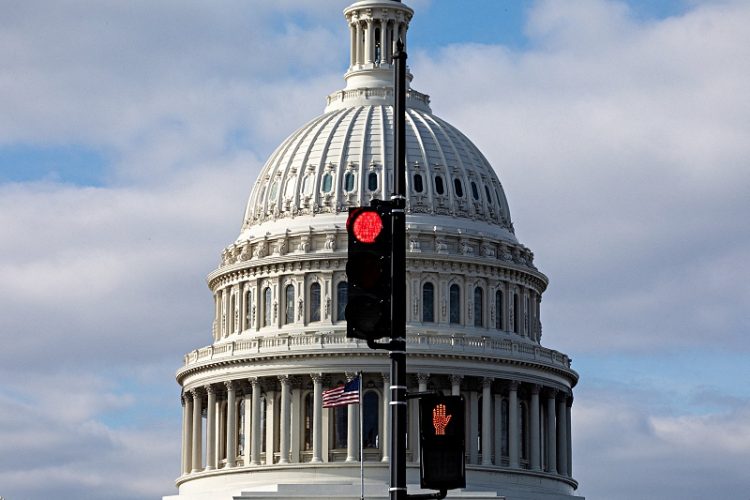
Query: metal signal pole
[[398, 295]]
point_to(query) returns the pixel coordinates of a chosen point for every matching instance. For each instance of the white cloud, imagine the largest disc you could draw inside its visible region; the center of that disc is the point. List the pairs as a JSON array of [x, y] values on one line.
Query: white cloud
[[622, 147]]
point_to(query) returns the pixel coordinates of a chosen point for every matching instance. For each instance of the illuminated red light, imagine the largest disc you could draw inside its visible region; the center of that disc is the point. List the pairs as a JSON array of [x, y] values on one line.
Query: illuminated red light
[[367, 227], [440, 419]]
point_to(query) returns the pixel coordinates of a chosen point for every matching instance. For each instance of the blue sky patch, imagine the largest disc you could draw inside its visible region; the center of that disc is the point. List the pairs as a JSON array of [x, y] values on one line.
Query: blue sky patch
[[71, 164]]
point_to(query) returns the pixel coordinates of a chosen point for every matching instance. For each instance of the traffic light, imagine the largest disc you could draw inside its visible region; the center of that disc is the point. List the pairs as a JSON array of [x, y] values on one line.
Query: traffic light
[[368, 270], [442, 464]]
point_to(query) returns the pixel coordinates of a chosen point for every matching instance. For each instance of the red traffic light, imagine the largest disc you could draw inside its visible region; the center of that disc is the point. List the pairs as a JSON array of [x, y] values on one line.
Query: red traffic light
[[367, 226]]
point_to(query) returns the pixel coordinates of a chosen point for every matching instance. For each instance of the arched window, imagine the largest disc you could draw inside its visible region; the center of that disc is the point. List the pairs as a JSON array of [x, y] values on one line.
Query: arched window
[[340, 422], [516, 322], [307, 423], [315, 302], [459, 188], [372, 181], [267, 306], [474, 190], [274, 190], [455, 304], [478, 307], [370, 420], [342, 291], [327, 182], [307, 185], [349, 182], [499, 309], [439, 188], [289, 306], [418, 186], [428, 303], [487, 192]]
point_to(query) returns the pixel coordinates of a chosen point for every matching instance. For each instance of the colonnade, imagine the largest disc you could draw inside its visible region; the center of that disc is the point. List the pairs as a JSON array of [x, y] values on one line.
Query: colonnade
[[281, 420], [372, 38]]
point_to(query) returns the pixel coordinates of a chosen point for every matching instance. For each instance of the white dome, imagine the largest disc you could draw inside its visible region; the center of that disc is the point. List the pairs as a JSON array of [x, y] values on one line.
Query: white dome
[[344, 158]]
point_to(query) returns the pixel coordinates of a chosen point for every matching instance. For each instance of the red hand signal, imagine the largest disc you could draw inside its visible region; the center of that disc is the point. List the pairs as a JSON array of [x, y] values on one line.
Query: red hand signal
[[440, 419]]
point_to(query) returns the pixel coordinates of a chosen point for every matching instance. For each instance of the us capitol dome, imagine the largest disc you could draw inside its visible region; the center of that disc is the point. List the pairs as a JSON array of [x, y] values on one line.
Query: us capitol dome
[[254, 426]]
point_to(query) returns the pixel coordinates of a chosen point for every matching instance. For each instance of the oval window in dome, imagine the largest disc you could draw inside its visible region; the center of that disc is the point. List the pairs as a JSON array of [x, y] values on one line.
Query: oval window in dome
[[439, 189], [307, 185], [372, 181], [459, 188], [487, 192], [289, 189], [349, 182], [474, 190], [327, 182], [274, 190], [418, 186]]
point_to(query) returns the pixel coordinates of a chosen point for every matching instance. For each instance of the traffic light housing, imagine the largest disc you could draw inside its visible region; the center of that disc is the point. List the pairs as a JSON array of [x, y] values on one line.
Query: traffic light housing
[[442, 464], [368, 270]]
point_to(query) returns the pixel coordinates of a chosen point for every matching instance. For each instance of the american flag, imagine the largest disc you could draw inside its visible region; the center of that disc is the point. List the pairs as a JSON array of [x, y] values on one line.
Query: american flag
[[342, 395]]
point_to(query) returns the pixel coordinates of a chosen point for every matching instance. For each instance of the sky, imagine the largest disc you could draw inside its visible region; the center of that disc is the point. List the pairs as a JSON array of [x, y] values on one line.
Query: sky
[[132, 132]]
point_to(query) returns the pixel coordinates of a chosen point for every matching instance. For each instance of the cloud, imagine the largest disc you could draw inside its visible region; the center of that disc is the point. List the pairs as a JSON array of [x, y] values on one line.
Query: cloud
[[622, 147], [629, 445]]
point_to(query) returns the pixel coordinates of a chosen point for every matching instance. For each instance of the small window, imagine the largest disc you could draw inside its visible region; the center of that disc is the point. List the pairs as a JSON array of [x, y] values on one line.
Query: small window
[[372, 181], [474, 190], [315, 302], [455, 304], [487, 192], [439, 189], [459, 188], [289, 309], [349, 182], [267, 307], [478, 307], [274, 190], [307, 185], [327, 181], [499, 310], [428, 303], [342, 293], [418, 187]]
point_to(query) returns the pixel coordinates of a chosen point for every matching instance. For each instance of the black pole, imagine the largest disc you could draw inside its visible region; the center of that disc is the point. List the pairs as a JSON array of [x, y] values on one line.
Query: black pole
[[398, 294]]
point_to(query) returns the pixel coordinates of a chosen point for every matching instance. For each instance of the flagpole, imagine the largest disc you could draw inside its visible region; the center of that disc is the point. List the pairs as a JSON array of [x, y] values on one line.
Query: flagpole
[[361, 444]]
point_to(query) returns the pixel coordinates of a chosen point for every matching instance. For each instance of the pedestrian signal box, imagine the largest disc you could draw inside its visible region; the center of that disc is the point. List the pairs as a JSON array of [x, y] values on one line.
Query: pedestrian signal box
[[442, 463]]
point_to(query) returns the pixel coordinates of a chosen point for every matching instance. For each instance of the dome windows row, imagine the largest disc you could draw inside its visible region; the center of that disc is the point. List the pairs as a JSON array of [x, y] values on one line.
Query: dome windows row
[[296, 301]]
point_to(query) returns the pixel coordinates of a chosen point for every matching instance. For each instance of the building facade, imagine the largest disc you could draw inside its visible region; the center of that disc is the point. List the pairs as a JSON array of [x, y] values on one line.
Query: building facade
[[253, 422]]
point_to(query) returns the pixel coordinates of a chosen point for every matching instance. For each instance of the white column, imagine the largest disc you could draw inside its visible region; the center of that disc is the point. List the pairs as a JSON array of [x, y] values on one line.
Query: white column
[[187, 431], [317, 417], [473, 427], [247, 427], [197, 462], [295, 423], [562, 439], [359, 43], [211, 428], [255, 436], [456, 385], [383, 42], [368, 42], [231, 425], [568, 434], [422, 380], [551, 434], [487, 421], [270, 426], [385, 436], [243, 308], [498, 426], [352, 436], [284, 425], [221, 429], [534, 425], [514, 437], [353, 46]]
